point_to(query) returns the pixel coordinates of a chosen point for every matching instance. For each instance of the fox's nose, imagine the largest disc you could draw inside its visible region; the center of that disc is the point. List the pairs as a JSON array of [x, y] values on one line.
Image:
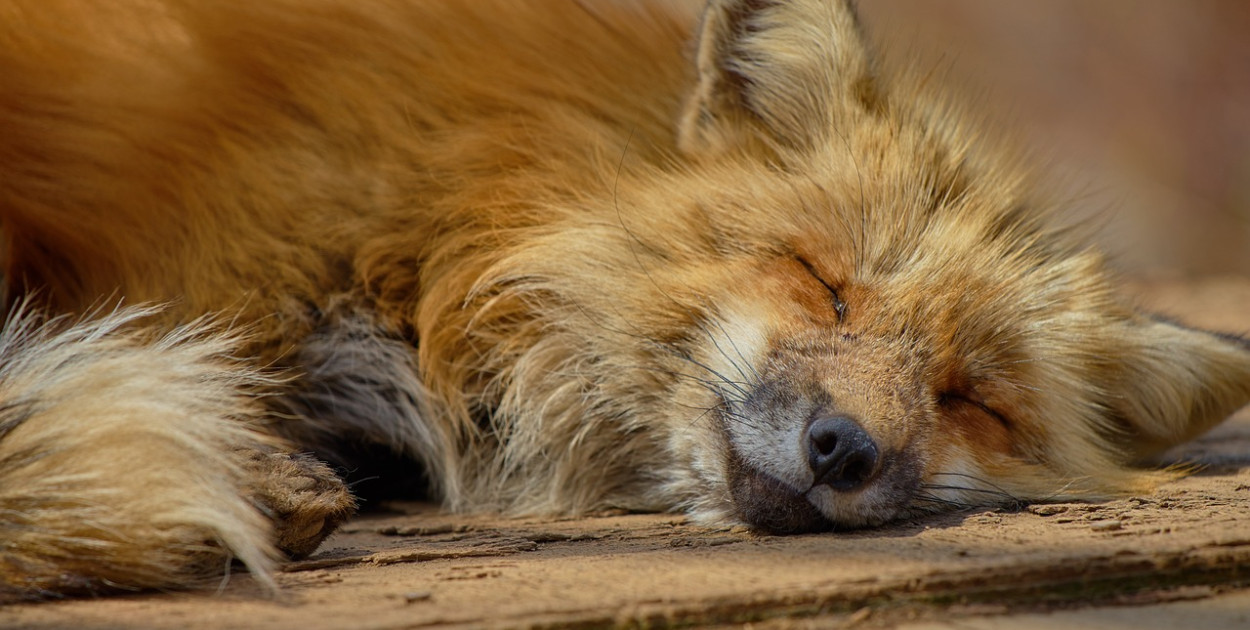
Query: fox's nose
[[840, 452]]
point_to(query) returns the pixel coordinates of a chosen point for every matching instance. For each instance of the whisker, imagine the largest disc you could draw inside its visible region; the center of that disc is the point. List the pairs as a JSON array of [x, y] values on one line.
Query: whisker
[[725, 412], [734, 384], [671, 350], [716, 344], [738, 418], [738, 352], [997, 493], [710, 385], [941, 501], [701, 416], [634, 243], [979, 480]]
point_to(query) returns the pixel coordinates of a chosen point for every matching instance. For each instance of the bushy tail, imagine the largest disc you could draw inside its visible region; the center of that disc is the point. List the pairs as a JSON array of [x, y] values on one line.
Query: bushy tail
[[119, 464]]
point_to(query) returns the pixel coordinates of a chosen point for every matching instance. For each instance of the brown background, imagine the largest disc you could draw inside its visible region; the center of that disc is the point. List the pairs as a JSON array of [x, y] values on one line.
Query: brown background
[[1144, 106]]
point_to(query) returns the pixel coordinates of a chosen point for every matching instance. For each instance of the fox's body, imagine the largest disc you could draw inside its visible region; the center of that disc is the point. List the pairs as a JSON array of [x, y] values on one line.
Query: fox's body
[[555, 256]]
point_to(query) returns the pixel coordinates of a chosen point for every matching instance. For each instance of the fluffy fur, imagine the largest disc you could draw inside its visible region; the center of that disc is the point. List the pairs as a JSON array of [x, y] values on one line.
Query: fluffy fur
[[116, 456], [556, 256]]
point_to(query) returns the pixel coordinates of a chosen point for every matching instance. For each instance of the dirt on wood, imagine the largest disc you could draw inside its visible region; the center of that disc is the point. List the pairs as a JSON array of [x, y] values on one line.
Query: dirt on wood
[[412, 567]]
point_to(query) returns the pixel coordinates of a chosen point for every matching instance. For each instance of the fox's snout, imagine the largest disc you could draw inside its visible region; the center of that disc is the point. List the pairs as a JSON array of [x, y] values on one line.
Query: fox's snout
[[840, 453], [834, 433], [840, 457]]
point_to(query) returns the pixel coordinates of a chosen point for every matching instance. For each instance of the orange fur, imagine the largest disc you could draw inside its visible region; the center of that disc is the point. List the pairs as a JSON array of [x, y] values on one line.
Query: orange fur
[[557, 256]]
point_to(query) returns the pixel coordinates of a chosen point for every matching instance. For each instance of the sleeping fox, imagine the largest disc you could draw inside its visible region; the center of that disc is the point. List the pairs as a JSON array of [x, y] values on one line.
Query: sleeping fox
[[542, 258]]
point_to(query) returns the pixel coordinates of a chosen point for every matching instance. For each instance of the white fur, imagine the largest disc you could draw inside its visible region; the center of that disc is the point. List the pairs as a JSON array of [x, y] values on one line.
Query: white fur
[[115, 456]]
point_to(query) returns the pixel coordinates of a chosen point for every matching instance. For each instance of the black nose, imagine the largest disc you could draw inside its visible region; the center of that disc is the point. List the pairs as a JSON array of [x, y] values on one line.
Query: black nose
[[840, 452]]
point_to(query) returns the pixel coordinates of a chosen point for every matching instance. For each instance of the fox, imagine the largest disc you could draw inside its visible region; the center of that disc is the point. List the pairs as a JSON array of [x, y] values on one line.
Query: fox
[[539, 258]]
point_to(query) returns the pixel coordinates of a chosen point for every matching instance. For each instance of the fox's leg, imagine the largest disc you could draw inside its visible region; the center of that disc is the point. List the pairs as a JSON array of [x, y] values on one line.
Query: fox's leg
[[301, 495], [130, 462], [359, 402]]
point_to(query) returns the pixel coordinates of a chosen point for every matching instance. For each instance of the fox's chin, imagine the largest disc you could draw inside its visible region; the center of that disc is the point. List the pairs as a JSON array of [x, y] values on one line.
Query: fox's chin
[[772, 505]]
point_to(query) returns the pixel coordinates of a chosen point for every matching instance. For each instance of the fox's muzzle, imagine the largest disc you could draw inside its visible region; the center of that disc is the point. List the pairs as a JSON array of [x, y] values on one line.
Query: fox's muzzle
[[841, 454]]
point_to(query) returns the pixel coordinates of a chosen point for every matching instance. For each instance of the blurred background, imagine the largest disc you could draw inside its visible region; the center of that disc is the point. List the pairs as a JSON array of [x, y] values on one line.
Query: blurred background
[[1144, 104]]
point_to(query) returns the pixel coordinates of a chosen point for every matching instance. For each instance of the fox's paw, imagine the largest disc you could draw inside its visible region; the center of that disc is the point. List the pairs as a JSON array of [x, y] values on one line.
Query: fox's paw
[[303, 497]]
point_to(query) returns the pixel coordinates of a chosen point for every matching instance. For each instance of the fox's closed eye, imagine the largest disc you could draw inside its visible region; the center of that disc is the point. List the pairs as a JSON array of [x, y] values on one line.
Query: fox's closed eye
[[839, 305], [953, 398]]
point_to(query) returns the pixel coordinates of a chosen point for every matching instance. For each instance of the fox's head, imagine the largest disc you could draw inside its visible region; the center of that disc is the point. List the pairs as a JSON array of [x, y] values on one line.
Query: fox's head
[[832, 303], [878, 319]]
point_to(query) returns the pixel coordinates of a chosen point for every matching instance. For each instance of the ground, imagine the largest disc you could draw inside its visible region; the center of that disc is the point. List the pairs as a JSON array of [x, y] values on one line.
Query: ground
[[1179, 557]]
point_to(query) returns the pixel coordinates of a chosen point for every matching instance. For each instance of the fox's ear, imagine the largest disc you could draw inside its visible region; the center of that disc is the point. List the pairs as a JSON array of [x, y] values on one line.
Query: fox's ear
[[1178, 382], [786, 69]]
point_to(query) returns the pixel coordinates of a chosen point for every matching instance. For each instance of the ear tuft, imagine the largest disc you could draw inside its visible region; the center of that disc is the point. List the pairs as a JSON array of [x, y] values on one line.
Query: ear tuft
[[1178, 382], [777, 71]]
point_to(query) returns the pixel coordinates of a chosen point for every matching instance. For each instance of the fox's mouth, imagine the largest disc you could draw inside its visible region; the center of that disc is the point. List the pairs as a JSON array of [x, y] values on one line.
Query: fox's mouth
[[846, 482], [769, 504]]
